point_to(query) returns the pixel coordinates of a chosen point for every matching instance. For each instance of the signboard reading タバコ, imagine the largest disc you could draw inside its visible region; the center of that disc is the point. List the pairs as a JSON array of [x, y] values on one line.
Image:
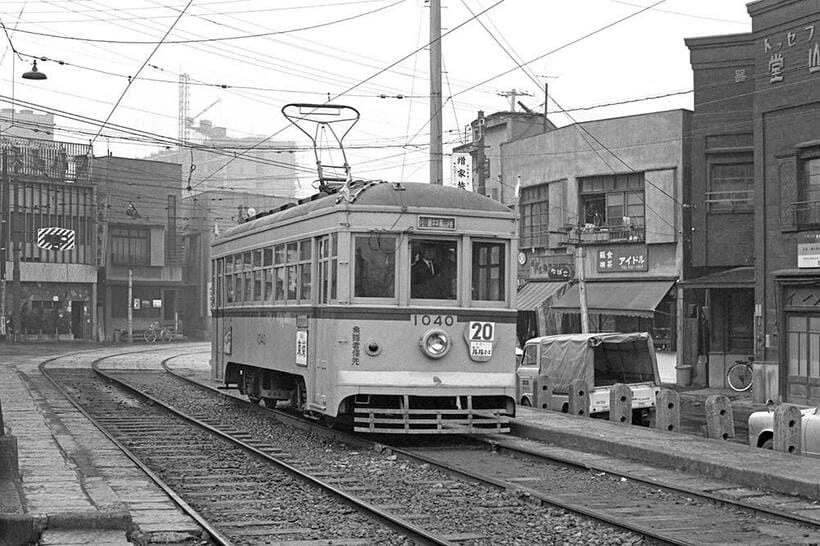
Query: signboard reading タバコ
[[808, 250]]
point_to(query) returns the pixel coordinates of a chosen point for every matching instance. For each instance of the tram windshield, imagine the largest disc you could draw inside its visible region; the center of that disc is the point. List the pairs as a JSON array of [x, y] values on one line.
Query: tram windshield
[[375, 266], [433, 269]]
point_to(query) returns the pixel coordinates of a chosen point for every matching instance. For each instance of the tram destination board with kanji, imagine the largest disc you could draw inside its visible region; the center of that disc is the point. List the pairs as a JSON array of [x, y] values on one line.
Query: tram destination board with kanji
[[56, 238]]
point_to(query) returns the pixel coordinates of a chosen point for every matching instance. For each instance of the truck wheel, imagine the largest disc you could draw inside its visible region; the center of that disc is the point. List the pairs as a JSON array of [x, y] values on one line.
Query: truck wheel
[[768, 444]]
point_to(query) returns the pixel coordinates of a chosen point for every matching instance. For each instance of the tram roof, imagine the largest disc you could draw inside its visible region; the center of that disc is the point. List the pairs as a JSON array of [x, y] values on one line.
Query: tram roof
[[381, 194]]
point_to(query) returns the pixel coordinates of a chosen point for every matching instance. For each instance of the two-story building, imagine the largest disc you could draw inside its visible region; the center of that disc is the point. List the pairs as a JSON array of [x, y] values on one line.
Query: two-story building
[[48, 239], [602, 201], [141, 273], [760, 97]]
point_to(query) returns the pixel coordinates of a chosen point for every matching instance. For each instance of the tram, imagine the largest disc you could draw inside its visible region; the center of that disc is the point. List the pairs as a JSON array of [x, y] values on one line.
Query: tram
[[387, 307]]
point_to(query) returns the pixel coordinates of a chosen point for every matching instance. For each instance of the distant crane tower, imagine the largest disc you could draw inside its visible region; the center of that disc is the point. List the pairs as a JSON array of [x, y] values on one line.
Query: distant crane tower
[[184, 134]]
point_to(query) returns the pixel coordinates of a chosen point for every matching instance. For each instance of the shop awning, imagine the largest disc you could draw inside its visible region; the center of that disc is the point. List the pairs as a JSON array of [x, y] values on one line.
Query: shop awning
[[739, 277], [633, 298], [534, 293]]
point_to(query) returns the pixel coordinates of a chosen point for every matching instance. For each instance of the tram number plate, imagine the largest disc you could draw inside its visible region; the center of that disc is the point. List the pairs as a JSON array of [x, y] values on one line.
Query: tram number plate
[[433, 320], [481, 348]]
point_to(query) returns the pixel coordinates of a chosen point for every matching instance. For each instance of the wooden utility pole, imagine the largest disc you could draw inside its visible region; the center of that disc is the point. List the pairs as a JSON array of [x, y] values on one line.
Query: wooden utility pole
[[480, 160], [582, 289], [436, 125], [4, 237], [546, 98]]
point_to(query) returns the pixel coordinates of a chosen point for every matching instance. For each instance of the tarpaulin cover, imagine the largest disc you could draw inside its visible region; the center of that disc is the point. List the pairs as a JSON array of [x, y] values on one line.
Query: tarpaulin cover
[[629, 298], [598, 359]]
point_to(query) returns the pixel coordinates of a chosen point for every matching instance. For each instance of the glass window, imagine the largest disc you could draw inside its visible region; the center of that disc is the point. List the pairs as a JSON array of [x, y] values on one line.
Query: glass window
[[305, 270], [535, 216], [248, 292], [130, 246], [530, 357], [257, 286], [488, 271], [433, 269], [328, 267], [269, 285], [268, 257], [257, 258], [615, 201], [731, 186], [375, 271]]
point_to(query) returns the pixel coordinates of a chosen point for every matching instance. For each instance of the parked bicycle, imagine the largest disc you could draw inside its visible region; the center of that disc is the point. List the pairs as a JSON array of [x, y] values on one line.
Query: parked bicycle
[[739, 376], [156, 332]]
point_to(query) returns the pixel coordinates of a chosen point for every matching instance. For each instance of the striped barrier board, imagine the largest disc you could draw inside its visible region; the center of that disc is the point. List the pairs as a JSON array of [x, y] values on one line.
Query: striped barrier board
[[56, 238]]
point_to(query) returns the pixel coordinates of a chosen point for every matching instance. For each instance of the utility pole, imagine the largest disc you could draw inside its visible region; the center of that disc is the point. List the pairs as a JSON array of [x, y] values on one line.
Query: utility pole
[[582, 289], [479, 155], [4, 237], [514, 94], [130, 306], [546, 99], [17, 288], [436, 126]]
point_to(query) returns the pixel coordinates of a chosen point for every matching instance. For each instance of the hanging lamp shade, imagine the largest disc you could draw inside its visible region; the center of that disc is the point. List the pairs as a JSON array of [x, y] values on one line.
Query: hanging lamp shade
[[34, 74]]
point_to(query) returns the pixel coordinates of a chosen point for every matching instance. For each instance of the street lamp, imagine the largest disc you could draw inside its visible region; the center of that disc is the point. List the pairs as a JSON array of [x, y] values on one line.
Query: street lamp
[[34, 74]]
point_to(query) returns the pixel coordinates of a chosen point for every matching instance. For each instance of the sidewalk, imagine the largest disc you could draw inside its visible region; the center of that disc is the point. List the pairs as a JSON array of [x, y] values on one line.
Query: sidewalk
[[73, 485]]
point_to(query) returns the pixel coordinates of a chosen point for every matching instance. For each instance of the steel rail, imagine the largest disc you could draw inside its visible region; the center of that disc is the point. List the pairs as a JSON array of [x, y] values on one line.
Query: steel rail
[[215, 534], [412, 531], [503, 444]]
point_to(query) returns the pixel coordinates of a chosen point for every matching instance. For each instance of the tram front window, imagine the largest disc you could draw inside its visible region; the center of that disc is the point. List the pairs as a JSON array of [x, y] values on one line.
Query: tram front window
[[433, 269], [375, 266]]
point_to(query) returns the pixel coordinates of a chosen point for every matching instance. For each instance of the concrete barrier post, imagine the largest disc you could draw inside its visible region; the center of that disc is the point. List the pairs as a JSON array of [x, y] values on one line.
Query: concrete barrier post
[[542, 392], [620, 404], [667, 410], [788, 429], [720, 423], [579, 398]]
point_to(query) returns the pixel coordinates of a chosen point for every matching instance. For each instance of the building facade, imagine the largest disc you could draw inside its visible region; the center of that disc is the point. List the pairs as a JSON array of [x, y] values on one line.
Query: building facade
[[602, 201], [142, 254], [773, 74], [487, 135], [217, 162], [208, 214], [48, 239]]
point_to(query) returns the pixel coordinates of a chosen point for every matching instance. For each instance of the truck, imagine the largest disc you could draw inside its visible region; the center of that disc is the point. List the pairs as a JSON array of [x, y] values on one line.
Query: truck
[[600, 360]]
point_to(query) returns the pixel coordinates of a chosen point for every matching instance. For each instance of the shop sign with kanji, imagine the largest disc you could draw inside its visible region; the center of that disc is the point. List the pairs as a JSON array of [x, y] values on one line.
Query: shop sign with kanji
[[618, 259], [462, 173]]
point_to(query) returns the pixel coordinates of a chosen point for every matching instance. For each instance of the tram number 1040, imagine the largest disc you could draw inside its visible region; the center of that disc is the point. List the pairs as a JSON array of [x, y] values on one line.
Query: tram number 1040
[[434, 320]]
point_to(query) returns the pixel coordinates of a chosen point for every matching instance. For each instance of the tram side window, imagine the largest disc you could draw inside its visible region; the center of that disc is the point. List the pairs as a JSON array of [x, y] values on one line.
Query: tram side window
[[228, 279], [375, 266], [328, 267], [305, 270], [433, 269], [488, 271]]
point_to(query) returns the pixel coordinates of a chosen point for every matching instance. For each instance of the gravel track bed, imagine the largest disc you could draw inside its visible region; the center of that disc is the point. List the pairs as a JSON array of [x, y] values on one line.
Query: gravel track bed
[[469, 512], [249, 500]]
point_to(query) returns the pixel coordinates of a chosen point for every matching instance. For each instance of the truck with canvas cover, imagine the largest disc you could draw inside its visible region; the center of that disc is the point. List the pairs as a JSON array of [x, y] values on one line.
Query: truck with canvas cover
[[600, 360]]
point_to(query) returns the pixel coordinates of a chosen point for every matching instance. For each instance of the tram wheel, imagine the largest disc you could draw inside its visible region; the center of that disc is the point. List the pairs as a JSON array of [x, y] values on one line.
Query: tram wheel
[[270, 403], [254, 399]]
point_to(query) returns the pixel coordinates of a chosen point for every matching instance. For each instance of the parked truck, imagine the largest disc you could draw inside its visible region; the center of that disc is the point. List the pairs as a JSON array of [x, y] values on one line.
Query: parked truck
[[600, 360]]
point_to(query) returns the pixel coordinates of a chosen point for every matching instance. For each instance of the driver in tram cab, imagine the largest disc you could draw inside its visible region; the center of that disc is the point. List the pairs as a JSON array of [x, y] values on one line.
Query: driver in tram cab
[[423, 273]]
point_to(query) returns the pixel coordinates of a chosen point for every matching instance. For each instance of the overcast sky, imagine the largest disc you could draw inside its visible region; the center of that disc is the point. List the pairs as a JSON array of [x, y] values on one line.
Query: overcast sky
[[267, 54]]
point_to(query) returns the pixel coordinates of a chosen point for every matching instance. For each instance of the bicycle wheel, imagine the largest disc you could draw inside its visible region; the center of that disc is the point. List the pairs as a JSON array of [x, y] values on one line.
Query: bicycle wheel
[[739, 377], [167, 334], [150, 335]]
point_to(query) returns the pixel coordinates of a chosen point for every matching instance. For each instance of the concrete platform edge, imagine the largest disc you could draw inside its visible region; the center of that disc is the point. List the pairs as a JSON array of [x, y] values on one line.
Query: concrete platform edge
[[26, 528], [743, 476]]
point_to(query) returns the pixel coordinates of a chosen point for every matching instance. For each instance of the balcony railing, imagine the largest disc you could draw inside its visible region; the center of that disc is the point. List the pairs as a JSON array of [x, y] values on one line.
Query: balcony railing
[[625, 230], [805, 213], [52, 160], [730, 201]]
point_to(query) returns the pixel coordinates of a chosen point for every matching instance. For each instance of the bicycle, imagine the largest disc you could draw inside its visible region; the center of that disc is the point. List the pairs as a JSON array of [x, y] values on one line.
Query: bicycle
[[155, 332], [739, 376]]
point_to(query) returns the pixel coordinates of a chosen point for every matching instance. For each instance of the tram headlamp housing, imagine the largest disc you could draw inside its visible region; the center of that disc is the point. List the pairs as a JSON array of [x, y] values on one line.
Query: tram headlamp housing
[[435, 343]]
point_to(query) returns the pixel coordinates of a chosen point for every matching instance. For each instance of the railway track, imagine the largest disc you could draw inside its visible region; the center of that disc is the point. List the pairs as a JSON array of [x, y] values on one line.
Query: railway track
[[501, 491], [659, 504], [240, 492]]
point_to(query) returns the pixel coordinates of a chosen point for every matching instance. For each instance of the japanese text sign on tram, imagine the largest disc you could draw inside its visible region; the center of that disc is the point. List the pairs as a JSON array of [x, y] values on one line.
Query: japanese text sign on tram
[[462, 174], [56, 238], [480, 338]]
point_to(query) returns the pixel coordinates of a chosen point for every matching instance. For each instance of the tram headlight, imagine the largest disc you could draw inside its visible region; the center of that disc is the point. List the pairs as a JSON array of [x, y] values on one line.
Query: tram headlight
[[435, 343]]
